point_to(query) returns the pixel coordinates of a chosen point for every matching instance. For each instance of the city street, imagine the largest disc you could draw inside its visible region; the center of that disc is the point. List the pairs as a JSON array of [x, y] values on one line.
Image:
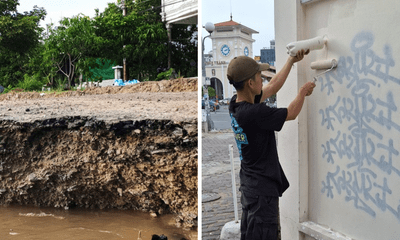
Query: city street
[[221, 118]]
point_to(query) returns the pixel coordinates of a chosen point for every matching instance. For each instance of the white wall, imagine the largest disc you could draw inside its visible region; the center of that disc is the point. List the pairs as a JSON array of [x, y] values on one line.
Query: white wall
[[184, 12], [288, 137], [344, 160]]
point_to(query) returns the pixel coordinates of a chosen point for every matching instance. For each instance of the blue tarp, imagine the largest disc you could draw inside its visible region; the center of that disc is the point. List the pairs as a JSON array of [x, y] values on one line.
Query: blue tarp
[[120, 82], [132, 82]]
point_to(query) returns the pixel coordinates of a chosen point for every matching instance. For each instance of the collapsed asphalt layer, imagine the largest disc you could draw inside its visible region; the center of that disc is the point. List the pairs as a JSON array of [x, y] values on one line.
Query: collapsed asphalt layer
[[88, 162]]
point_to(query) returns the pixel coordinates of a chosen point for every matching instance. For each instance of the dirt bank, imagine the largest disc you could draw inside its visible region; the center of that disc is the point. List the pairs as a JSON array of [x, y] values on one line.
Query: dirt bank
[[132, 147]]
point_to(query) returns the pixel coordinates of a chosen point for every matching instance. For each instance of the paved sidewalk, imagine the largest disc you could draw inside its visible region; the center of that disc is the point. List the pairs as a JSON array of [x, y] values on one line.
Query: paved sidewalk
[[217, 183]]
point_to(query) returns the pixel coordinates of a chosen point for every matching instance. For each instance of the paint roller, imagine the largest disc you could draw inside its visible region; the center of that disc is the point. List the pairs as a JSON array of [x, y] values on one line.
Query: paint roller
[[313, 44], [309, 44], [321, 65]]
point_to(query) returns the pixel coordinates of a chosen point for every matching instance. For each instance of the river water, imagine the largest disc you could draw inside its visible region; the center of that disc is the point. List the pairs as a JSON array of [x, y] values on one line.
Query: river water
[[24, 222]]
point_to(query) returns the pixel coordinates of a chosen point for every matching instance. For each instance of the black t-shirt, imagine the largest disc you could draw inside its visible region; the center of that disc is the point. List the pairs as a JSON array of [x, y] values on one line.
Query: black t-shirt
[[254, 127]]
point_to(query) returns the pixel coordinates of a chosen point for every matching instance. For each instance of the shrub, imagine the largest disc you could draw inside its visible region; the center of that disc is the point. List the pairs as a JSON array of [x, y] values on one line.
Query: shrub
[[165, 75], [31, 83]]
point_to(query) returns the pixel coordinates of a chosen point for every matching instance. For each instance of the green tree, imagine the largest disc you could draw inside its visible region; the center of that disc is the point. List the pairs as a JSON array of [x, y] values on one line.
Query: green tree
[[183, 46], [40, 69], [184, 49], [141, 32], [145, 38], [19, 32], [19, 36], [211, 92], [72, 46], [148, 45]]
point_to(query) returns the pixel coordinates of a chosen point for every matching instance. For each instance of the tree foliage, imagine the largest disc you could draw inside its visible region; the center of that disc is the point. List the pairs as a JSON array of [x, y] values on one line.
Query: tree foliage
[[19, 32], [211, 92], [145, 38], [140, 36], [72, 46], [184, 49], [19, 36], [30, 57]]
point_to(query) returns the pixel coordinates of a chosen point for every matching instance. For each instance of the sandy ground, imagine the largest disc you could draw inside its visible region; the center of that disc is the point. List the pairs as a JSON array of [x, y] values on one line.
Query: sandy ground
[[169, 99]]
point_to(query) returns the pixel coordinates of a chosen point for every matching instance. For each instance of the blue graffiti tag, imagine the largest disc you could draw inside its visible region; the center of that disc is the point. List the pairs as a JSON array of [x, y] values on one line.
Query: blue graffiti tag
[[363, 156]]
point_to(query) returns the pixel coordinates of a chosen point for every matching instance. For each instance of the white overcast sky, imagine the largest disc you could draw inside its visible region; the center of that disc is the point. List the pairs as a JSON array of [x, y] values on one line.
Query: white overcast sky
[[255, 14], [57, 9]]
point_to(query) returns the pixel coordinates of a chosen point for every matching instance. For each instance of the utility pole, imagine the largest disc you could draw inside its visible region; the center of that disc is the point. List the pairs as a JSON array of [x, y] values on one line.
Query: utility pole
[[169, 27], [210, 27], [124, 14]]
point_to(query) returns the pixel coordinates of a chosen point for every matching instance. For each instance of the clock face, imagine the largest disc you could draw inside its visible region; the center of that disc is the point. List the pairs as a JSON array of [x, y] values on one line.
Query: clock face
[[225, 50], [246, 51]]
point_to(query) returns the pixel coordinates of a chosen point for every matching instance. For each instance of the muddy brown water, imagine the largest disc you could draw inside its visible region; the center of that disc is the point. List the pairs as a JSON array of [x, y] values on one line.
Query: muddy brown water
[[25, 222]]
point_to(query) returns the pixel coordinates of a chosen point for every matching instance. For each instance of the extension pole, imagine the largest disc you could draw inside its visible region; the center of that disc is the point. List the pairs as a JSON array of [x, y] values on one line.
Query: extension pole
[[233, 183]]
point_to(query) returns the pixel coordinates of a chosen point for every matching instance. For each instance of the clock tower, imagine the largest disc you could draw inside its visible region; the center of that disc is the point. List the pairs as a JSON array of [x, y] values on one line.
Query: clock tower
[[229, 39]]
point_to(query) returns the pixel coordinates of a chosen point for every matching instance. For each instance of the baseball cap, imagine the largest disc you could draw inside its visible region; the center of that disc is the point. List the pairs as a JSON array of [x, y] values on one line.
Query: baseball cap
[[242, 68]]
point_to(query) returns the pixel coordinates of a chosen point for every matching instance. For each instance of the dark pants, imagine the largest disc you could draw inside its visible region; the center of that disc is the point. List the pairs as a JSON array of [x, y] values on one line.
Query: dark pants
[[260, 217]]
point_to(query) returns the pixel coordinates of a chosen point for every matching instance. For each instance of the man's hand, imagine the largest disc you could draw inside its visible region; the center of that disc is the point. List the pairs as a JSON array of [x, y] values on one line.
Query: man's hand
[[307, 88], [300, 55], [296, 105], [279, 79]]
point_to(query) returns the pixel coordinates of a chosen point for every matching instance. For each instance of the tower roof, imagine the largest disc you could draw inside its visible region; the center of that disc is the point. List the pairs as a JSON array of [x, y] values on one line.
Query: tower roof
[[228, 23], [231, 23]]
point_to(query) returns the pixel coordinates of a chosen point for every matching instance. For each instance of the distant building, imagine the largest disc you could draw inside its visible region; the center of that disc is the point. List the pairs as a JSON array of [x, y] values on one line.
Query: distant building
[[229, 39], [268, 55], [272, 44]]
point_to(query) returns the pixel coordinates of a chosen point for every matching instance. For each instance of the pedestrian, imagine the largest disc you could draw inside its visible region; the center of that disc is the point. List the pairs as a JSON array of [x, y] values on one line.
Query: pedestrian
[[262, 180]]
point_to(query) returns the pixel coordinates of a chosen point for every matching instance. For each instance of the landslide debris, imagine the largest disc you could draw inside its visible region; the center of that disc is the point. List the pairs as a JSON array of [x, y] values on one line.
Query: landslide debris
[[104, 159]]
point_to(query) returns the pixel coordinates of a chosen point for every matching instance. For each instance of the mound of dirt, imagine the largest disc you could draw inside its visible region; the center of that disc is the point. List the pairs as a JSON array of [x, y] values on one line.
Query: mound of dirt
[[167, 100], [175, 85]]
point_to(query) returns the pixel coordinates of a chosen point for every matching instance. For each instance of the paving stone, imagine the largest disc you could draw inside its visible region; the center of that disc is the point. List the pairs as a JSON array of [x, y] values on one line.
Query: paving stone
[[217, 179]]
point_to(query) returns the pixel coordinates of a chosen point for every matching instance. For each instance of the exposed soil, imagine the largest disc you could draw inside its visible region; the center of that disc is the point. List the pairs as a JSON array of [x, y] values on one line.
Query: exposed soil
[[169, 99], [131, 147]]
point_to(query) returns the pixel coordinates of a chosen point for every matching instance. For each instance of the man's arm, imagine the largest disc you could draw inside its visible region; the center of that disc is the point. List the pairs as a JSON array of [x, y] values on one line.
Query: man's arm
[[296, 105], [279, 79]]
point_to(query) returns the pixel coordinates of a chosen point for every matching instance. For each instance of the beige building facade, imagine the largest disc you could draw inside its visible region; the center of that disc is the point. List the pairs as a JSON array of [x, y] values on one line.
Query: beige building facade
[[342, 154]]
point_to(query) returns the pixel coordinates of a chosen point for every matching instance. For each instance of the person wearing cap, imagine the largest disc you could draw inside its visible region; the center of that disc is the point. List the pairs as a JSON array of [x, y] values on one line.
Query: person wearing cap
[[262, 180]]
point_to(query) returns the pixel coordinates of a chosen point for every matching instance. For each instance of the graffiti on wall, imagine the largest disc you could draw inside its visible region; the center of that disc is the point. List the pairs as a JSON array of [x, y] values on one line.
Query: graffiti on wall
[[364, 156]]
